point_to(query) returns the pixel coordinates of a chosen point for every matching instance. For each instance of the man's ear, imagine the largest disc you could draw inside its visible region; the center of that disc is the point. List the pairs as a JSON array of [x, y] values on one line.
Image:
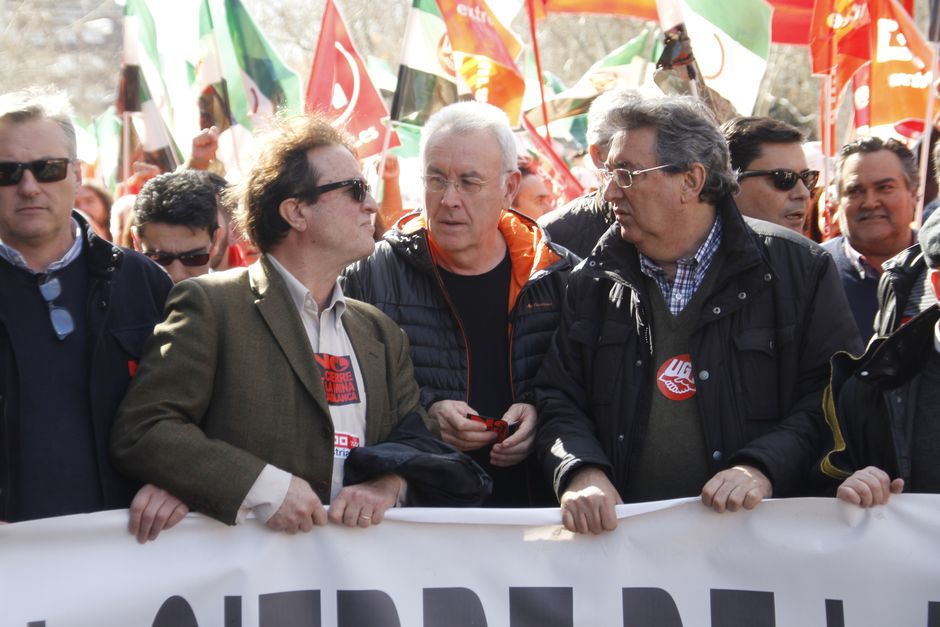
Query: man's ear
[[596, 156], [513, 182], [291, 209], [135, 236], [693, 180]]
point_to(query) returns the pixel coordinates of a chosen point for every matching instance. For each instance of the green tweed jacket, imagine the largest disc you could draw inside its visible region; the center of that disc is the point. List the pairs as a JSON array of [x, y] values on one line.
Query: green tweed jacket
[[228, 383]]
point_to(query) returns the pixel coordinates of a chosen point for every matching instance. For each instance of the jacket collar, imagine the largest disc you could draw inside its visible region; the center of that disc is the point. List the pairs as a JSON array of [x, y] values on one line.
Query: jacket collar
[[103, 257]]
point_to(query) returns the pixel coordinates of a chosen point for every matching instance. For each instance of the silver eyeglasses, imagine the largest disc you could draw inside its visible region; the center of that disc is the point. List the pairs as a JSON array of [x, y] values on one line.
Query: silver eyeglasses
[[624, 178], [438, 184]]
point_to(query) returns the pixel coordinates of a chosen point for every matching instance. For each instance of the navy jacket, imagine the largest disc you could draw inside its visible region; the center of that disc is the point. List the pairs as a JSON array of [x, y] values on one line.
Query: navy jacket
[[125, 300]]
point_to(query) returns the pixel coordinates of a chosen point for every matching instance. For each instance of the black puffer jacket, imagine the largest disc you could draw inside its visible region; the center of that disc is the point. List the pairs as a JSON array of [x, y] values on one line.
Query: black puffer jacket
[[901, 273], [760, 355], [401, 279]]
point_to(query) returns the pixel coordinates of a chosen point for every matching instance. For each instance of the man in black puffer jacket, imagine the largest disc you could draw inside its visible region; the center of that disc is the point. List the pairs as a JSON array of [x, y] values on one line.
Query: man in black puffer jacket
[[478, 288], [694, 345]]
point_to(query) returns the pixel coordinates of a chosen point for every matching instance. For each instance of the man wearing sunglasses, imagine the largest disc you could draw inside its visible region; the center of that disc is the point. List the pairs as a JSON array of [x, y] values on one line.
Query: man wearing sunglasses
[[262, 381], [176, 222], [775, 181], [477, 287], [75, 312], [878, 187], [694, 344]]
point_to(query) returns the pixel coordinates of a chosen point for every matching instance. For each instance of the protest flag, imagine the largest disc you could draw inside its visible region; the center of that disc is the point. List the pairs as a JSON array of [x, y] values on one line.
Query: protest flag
[[340, 86]]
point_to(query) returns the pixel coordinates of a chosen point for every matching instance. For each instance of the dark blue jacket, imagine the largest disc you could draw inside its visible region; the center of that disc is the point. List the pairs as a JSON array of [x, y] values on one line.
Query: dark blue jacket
[[126, 293]]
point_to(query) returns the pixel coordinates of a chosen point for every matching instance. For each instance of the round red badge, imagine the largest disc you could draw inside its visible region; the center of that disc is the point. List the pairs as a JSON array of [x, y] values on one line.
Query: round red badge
[[674, 378]]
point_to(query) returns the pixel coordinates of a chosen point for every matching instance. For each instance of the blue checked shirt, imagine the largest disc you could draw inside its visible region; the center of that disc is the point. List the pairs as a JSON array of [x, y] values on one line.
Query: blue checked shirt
[[690, 272]]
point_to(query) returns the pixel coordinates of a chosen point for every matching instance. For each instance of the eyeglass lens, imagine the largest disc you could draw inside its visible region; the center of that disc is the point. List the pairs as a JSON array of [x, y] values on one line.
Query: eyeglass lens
[[62, 322]]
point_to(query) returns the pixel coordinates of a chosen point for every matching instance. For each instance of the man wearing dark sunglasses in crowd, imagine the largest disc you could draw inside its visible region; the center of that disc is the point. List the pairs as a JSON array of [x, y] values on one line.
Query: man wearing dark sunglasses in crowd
[[878, 186], [775, 181], [694, 345], [75, 312], [262, 381], [176, 222]]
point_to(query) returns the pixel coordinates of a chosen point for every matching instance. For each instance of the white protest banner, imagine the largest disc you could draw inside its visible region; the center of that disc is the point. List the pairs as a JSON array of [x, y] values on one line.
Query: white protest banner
[[800, 562]]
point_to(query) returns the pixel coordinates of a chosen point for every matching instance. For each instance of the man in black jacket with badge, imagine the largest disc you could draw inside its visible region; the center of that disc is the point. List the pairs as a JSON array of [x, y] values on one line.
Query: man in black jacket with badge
[[694, 344]]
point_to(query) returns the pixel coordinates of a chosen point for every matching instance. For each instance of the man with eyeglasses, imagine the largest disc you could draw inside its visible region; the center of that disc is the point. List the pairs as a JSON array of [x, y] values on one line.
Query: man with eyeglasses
[[694, 343], [878, 186], [262, 381], [75, 312], [478, 289], [774, 178], [176, 222]]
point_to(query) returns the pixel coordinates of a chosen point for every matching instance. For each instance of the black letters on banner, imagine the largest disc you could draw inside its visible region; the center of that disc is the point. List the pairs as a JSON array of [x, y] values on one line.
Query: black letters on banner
[[299, 608], [541, 607], [452, 607], [365, 608], [175, 612], [743, 608], [649, 607]]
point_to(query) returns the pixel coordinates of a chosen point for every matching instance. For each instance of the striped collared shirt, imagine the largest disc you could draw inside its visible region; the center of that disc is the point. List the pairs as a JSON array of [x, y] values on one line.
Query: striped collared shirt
[[690, 272], [15, 258]]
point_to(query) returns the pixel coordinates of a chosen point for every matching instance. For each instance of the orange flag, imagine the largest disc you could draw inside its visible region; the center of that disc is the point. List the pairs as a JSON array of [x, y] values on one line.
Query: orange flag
[[485, 55]]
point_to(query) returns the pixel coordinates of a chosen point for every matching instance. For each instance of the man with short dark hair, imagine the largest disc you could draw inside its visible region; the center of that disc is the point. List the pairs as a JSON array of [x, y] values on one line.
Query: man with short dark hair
[[176, 222], [884, 411], [767, 157], [877, 183], [694, 344], [74, 314], [262, 381]]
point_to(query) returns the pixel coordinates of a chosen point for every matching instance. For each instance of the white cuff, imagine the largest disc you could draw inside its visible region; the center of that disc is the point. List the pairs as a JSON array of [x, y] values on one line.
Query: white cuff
[[266, 494]]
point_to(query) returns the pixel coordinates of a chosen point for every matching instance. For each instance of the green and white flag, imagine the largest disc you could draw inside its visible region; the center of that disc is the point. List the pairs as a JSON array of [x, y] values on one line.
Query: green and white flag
[[623, 67], [238, 61], [730, 41], [426, 79]]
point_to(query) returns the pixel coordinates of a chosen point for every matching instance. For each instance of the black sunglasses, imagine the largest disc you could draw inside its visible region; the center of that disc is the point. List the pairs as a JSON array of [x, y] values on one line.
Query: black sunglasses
[[358, 187], [45, 170], [785, 180], [62, 322], [190, 260]]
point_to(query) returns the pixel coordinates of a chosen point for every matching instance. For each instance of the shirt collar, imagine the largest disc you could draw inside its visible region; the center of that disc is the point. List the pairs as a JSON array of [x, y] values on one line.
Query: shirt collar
[[14, 256], [700, 259], [859, 262], [301, 295]]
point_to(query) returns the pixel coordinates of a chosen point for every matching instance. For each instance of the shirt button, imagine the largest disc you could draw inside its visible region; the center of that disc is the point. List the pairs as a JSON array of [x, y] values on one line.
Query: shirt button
[[620, 438], [716, 455], [703, 375], [639, 362], [742, 295], [767, 277], [716, 310]]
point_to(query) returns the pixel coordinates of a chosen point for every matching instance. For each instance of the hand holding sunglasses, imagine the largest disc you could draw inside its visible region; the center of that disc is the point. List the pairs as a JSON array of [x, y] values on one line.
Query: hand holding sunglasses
[[784, 179]]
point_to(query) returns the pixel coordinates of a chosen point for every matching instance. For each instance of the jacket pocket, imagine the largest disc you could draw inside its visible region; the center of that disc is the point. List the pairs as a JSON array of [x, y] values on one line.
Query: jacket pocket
[[131, 340], [609, 352], [757, 373]]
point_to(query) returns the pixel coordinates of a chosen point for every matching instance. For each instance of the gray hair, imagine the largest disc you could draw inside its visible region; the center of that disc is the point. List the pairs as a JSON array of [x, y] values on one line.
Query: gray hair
[[686, 133], [35, 103], [470, 117], [600, 129]]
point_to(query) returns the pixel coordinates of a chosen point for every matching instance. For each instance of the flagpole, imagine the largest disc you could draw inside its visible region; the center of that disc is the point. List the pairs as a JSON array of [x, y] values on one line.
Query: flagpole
[[225, 95], [126, 147], [530, 8]]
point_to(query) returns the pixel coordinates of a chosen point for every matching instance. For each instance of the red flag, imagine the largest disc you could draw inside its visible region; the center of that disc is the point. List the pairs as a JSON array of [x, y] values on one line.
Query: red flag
[[485, 54], [556, 168], [340, 86]]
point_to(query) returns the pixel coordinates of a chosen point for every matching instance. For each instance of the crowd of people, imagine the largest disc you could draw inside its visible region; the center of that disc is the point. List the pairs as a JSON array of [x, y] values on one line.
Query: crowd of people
[[264, 350]]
